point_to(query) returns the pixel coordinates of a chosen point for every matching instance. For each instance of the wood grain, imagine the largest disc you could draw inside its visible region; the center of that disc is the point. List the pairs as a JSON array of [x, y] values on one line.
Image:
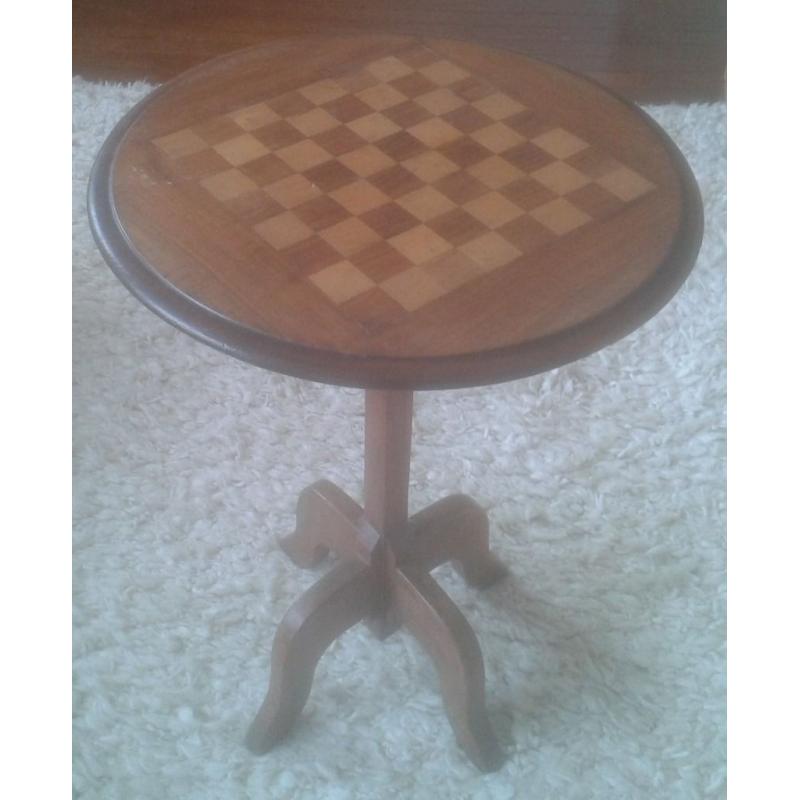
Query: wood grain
[[648, 50], [395, 214]]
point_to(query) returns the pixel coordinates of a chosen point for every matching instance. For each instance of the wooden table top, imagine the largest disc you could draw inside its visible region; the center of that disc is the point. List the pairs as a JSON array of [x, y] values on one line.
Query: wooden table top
[[392, 213]]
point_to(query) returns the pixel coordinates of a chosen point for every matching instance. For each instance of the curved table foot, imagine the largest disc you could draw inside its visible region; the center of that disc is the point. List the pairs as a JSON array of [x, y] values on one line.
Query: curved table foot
[[455, 529], [435, 621], [327, 519], [333, 605]]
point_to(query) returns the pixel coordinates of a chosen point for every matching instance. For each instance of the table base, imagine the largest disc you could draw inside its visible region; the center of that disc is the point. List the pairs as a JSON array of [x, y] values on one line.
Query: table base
[[381, 577]]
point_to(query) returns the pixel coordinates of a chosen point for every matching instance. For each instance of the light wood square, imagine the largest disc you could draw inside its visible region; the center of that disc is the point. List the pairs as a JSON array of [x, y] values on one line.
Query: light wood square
[[493, 210], [625, 184], [324, 91], [426, 203], [389, 68], [490, 251], [495, 172], [349, 236], [381, 96], [180, 144], [412, 288], [453, 270], [440, 101], [292, 191], [283, 231], [229, 184], [241, 149], [342, 282], [443, 73], [430, 166], [498, 106], [434, 132], [359, 197], [560, 216], [560, 143], [420, 244], [318, 120], [216, 129], [373, 127], [303, 155], [498, 137], [208, 162], [560, 177], [252, 117], [366, 160]]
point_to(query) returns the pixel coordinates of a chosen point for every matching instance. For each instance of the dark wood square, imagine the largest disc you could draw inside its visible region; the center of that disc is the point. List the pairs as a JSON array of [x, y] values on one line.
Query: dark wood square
[[278, 134], [527, 157], [266, 170], [528, 193], [526, 233], [380, 261], [374, 311], [596, 201], [413, 85], [290, 104], [529, 123], [401, 145], [396, 181], [309, 256], [406, 114], [471, 89], [321, 212], [348, 108], [389, 220], [339, 141], [465, 151], [457, 226], [460, 187], [330, 175], [592, 162], [467, 119]]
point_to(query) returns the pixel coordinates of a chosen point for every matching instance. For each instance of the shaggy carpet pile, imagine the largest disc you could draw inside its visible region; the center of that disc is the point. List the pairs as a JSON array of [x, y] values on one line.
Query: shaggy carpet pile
[[604, 482]]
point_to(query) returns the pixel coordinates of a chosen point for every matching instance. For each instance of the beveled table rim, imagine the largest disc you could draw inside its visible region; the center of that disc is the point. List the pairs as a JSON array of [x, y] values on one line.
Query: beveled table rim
[[382, 372]]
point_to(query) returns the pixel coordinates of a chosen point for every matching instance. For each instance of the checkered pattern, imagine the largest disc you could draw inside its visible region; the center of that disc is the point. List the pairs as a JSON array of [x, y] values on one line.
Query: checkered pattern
[[401, 180]]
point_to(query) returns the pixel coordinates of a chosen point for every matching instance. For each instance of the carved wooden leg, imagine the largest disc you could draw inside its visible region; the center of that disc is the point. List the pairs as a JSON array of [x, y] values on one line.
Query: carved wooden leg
[[337, 602], [327, 519], [433, 618], [456, 529]]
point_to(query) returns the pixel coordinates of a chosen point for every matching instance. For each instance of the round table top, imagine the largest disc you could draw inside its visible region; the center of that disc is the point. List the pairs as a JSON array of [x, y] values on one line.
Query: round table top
[[387, 212]]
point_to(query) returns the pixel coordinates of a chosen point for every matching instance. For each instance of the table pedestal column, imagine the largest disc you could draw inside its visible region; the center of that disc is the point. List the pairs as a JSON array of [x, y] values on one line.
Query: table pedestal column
[[381, 577]]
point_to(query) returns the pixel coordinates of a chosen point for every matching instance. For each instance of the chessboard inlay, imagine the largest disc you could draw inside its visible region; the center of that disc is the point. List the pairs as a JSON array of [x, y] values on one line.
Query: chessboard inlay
[[454, 177]]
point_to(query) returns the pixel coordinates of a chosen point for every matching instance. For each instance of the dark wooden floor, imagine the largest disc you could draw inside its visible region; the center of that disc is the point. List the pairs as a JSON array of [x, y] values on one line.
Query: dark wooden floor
[[648, 50]]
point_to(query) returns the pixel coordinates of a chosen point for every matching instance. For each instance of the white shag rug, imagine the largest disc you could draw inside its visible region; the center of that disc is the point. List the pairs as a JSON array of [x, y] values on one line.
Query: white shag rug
[[605, 484]]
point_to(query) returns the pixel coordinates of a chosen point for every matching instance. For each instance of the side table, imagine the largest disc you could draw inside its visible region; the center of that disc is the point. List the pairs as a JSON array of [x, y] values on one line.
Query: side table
[[397, 215]]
